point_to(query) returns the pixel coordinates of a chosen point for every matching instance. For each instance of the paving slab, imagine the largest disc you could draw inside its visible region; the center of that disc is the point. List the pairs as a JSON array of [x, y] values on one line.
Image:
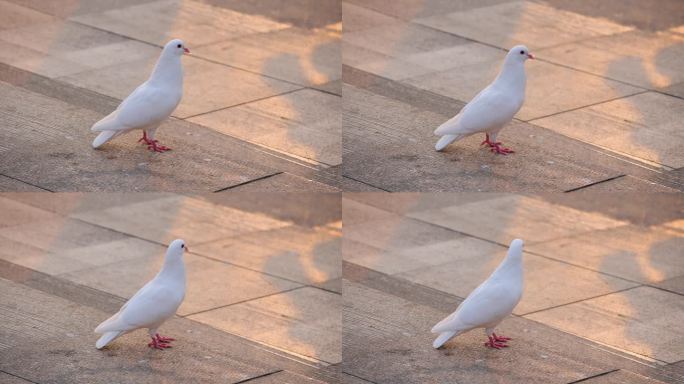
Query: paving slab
[[14, 16], [387, 340], [550, 89], [305, 57], [192, 219], [389, 144], [295, 253], [16, 213], [285, 377], [52, 149], [675, 284], [301, 13], [646, 59], [628, 183], [640, 14], [522, 22], [305, 123], [210, 284], [207, 86], [645, 255], [641, 320], [464, 272], [397, 233], [416, 258], [306, 321], [360, 17], [66, 203], [402, 203], [194, 21], [402, 39], [510, 217], [52, 341], [644, 210], [355, 212], [66, 8], [60, 234], [10, 184], [621, 376], [644, 126], [410, 9], [285, 182]]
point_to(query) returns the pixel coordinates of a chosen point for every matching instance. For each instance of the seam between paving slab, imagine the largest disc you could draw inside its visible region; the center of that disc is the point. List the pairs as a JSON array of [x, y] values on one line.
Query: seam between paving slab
[[17, 376], [26, 182]]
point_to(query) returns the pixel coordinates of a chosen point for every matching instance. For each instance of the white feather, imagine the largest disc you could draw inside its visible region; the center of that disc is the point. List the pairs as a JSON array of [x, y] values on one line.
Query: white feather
[[491, 302]]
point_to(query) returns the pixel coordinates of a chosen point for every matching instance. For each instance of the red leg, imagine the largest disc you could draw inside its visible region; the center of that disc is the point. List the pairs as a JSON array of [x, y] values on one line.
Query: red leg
[[156, 344], [144, 138], [486, 140], [501, 338], [493, 343], [163, 339]]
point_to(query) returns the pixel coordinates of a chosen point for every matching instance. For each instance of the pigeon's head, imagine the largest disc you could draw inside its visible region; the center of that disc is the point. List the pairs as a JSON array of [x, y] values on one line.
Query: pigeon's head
[[519, 53], [177, 47], [515, 249], [176, 249]]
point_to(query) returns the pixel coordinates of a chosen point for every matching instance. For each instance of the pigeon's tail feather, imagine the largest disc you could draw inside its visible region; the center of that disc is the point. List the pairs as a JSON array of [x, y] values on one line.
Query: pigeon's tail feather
[[103, 138], [443, 338], [107, 338], [446, 140]]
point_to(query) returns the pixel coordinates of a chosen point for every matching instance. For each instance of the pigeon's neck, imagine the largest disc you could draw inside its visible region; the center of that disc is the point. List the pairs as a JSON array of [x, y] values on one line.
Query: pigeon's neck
[[173, 269], [511, 266], [168, 70], [512, 75]]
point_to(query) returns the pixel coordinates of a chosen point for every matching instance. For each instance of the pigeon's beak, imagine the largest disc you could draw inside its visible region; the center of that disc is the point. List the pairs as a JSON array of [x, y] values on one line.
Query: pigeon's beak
[[187, 249], [186, 51], [531, 56]]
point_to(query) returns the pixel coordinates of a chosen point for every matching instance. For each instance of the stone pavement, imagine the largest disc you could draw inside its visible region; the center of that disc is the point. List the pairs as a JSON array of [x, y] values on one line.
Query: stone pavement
[[603, 105], [261, 103], [603, 299], [263, 295]]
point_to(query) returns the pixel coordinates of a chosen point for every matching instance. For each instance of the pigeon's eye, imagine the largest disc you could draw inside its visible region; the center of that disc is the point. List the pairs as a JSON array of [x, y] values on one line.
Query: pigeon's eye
[[182, 245], [181, 46], [521, 52]]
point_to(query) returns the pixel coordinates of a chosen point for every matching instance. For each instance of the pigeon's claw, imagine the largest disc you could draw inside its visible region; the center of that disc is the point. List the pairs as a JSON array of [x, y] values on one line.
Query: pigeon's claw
[[499, 150], [493, 343], [156, 344], [500, 338], [153, 146], [162, 339]]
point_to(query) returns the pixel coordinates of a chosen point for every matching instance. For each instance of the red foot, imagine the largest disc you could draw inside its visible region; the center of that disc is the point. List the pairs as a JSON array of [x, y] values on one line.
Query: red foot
[[163, 339], [498, 149], [152, 144], [500, 338], [493, 343], [156, 344], [496, 146]]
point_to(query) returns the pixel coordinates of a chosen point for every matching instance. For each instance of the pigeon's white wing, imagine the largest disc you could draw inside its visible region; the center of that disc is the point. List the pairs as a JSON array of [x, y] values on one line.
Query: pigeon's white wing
[[490, 109], [153, 304], [147, 105], [487, 305]]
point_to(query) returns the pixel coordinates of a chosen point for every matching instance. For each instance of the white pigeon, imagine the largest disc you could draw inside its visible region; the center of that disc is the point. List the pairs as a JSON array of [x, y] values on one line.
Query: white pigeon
[[489, 303], [153, 304], [493, 107], [149, 104]]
